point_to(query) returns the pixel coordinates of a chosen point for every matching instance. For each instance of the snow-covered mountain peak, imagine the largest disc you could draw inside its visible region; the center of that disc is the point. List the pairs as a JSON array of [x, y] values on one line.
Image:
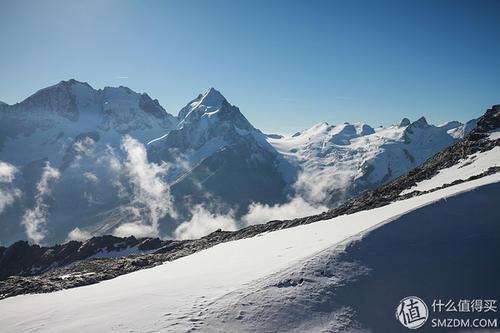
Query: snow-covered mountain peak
[[50, 119], [73, 98], [211, 101], [209, 117], [420, 123], [340, 134], [66, 85], [460, 131], [123, 100], [73, 87], [450, 125], [214, 138], [63, 98], [73, 82], [349, 158], [404, 122], [212, 98], [319, 128], [118, 90], [346, 128], [364, 129]]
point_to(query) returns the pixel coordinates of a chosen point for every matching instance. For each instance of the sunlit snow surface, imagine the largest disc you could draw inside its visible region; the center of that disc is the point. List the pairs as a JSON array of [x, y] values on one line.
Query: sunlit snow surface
[[355, 157], [471, 166], [174, 296], [495, 135]]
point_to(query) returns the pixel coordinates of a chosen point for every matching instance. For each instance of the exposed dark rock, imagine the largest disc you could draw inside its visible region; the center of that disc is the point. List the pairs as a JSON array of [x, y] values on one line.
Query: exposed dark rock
[[24, 259], [57, 98], [404, 122], [152, 106], [275, 136], [419, 123], [366, 130]]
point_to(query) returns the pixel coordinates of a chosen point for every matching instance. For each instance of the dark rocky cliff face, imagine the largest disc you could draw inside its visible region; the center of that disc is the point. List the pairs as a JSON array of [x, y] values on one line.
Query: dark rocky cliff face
[[22, 258]]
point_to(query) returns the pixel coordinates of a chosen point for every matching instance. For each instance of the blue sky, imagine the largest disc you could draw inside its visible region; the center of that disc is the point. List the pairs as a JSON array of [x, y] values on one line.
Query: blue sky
[[286, 64]]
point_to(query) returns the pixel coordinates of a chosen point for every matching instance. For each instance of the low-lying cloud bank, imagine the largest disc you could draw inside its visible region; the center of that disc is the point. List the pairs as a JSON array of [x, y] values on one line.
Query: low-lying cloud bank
[[151, 200], [309, 200], [145, 192], [203, 222], [317, 186], [295, 208]]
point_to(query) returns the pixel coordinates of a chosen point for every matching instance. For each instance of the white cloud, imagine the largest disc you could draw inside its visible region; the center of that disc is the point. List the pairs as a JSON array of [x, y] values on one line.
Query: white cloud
[[110, 159], [7, 172], [90, 177], [297, 207], [34, 219], [84, 146], [316, 186], [204, 222], [7, 197], [136, 229], [149, 192], [8, 193], [78, 234]]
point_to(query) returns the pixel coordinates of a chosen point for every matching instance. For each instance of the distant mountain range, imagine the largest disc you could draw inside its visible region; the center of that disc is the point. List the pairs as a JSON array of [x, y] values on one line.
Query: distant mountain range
[[465, 165], [76, 162]]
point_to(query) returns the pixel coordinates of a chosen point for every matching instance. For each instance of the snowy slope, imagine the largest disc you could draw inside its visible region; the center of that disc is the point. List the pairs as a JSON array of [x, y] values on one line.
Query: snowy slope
[[346, 159], [178, 296], [449, 247], [471, 166]]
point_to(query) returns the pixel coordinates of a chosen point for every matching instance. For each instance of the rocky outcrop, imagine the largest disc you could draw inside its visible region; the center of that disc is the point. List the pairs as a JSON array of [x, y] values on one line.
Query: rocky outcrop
[[404, 122], [24, 259]]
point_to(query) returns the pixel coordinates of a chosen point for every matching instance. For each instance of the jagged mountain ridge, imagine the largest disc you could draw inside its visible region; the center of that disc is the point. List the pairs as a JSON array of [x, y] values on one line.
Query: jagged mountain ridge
[[42, 124], [348, 159], [215, 156]]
